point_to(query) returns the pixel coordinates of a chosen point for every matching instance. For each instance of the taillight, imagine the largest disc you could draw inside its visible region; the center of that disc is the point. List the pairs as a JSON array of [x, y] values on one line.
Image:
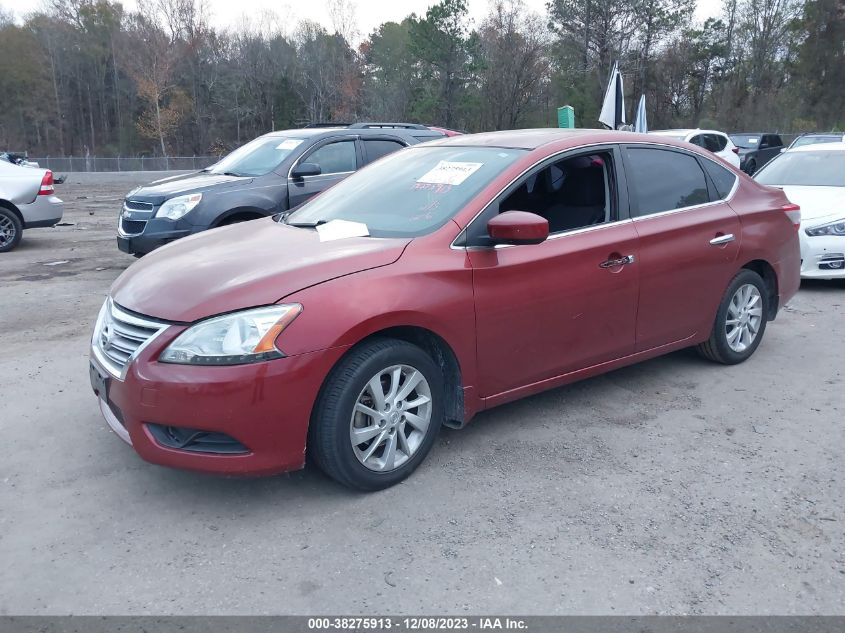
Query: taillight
[[47, 184], [793, 211], [735, 150]]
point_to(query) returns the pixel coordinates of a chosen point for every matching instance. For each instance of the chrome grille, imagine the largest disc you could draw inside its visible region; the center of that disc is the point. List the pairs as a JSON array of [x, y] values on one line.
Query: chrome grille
[[132, 227], [138, 206], [119, 336]]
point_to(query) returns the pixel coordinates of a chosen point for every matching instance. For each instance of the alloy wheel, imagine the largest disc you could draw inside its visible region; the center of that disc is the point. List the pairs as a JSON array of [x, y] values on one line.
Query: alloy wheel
[[744, 317], [7, 230], [391, 418]]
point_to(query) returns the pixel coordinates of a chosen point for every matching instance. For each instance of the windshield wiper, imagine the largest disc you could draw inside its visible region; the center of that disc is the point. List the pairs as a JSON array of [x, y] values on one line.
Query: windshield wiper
[[305, 225]]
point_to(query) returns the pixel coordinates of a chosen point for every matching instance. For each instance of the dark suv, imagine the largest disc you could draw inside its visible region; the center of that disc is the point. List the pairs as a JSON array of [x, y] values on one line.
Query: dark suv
[[756, 149], [274, 173]]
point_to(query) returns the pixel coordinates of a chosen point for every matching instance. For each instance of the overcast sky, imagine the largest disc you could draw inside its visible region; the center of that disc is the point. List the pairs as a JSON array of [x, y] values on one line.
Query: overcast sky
[[230, 13]]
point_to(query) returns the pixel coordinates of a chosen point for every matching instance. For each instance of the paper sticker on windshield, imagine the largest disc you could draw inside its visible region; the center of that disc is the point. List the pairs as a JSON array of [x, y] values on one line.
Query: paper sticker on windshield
[[450, 173], [289, 143], [753, 141]]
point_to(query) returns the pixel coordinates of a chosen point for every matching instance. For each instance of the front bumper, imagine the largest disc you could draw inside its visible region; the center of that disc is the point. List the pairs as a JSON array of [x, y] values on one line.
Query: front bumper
[[43, 211], [822, 257], [264, 406], [147, 242]]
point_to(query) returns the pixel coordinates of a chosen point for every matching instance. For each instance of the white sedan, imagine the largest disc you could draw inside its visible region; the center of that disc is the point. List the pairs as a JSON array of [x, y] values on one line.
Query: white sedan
[[27, 201], [813, 177], [717, 142]]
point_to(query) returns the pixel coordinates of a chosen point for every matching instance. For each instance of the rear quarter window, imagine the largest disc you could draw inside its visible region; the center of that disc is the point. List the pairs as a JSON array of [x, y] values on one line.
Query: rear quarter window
[[723, 179]]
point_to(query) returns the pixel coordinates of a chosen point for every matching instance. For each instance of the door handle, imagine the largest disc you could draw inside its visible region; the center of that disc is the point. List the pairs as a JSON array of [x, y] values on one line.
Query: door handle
[[613, 263], [722, 239]]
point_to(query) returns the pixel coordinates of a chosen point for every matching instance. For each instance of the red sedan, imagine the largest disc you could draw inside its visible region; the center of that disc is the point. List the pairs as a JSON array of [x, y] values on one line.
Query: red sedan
[[438, 282]]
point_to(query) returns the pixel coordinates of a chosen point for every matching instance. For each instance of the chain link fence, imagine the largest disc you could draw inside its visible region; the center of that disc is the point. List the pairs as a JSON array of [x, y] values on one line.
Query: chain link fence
[[142, 163]]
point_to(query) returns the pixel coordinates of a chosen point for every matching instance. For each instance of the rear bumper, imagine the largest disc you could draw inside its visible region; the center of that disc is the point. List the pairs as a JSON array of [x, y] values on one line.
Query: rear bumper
[[265, 407], [43, 211]]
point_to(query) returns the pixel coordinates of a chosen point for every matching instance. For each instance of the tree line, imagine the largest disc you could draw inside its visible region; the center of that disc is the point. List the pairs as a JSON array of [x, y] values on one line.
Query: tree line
[[89, 77]]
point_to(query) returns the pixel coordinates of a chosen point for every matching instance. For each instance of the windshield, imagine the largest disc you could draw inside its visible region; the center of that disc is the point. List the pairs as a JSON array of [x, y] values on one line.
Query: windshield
[[814, 140], [409, 193], [819, 169], [746, 141], [257, 157]]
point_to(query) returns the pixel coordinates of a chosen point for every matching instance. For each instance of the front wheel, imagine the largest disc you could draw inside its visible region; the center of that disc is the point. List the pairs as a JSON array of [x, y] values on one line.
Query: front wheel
[[740, 320], [378, 415]]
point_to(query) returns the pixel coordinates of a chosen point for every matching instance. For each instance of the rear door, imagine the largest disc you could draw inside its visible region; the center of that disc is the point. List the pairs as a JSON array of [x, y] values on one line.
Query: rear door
[[337, 158], [377, 147], [689, 241]]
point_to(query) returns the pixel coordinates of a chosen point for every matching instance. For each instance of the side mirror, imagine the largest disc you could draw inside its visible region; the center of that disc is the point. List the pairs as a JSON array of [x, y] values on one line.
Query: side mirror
[[518, 227], [306, 169]]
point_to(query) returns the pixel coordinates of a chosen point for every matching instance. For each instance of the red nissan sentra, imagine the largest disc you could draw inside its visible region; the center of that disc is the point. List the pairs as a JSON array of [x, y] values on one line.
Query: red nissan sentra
[[440, 281]]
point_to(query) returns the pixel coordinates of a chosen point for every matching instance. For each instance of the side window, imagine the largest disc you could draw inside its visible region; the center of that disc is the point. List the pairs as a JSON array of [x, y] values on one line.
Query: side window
[[376, 148], [715, 142], [335, 158], [572, 193], [776, 141], [723, 179], [665, 180], [698, 140]]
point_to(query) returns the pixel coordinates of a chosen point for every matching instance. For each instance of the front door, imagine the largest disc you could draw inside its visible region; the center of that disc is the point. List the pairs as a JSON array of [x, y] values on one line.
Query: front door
[[569, 303]]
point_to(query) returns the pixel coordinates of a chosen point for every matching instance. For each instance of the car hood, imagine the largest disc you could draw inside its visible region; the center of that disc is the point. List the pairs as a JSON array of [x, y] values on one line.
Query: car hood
[[161, 190], [242, 266], [817, 203]]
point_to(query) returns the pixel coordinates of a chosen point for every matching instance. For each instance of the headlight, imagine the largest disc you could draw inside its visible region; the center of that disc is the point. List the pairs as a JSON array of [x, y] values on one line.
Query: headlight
[[232, 339], [176, 207], [833, 228]]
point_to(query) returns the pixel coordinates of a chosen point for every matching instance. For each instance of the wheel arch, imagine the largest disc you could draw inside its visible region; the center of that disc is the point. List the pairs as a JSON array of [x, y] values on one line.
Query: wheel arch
[[770, 278], [239, 214], [440, 352], [8, 205]]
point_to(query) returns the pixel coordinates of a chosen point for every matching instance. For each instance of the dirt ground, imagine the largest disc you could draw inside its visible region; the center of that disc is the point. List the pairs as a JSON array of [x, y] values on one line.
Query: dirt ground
[[675, 486]]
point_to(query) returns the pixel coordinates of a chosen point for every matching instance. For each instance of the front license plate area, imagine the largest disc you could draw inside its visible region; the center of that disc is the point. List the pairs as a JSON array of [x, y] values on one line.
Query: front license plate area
[[99, 382]]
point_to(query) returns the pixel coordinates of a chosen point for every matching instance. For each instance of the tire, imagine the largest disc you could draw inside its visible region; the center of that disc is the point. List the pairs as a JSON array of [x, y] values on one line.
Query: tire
[[751, 167], [11, 230], [726, 345], [337, 415]]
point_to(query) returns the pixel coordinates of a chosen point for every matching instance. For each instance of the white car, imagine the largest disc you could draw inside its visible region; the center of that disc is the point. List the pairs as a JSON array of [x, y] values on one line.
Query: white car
[[27, 201], [712, 140], [813, 177]]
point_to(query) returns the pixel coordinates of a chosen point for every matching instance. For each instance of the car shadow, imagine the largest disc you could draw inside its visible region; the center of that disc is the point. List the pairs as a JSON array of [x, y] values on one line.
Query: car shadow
[[309, 485]]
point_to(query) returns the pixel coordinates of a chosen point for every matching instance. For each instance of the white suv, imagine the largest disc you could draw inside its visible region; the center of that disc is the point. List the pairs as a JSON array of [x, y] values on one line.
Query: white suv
[[716, 142]]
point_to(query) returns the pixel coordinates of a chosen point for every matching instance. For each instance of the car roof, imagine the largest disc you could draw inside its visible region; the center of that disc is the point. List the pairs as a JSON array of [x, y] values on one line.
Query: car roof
[[754, 134], [313, 132], [819, 147], [532, 138], [684, 131]]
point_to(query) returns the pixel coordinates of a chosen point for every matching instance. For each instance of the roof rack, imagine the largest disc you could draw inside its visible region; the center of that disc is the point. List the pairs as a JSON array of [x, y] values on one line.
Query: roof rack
[[379, 124], [328, 124]]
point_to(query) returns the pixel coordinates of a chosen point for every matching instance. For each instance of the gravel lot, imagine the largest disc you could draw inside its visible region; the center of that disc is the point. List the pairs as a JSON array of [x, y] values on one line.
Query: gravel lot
[[675, 486]]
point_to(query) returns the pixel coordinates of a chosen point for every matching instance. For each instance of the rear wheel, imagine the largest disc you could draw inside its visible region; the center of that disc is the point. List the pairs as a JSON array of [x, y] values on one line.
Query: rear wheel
[[378, 415], [11, 230], [740, 320], [751, 167]]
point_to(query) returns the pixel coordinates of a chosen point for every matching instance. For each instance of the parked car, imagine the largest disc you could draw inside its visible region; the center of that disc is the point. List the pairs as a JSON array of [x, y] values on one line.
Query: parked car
[[443, 280], [27, 201], [813, 176], [756, 149], [711, 140], [273, 173], [816, 139]]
